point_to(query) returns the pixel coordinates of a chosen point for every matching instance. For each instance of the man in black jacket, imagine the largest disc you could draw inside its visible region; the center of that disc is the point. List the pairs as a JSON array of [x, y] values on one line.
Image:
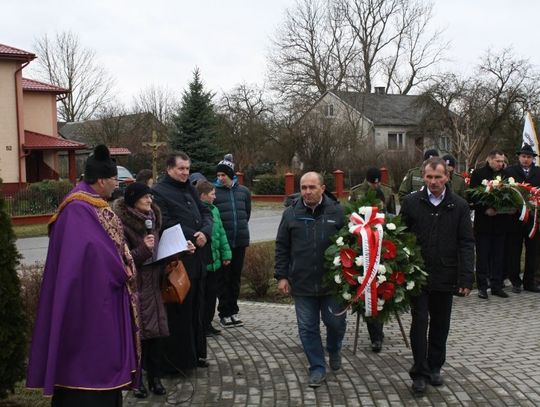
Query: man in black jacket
[[441, 222], [303, 236], [234, 203], [527, 172], [490, 230], [180, 204]]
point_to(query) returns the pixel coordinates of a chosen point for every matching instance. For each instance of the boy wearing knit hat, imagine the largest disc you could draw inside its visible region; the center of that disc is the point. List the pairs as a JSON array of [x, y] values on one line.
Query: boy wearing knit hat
[[234, 203]]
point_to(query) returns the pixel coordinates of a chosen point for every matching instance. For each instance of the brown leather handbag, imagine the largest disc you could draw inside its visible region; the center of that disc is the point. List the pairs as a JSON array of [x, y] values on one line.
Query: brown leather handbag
[[177, 283]]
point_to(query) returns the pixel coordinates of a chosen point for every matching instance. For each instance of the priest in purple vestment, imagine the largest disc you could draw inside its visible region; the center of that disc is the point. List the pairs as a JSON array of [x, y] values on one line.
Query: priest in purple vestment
[[85, 345]]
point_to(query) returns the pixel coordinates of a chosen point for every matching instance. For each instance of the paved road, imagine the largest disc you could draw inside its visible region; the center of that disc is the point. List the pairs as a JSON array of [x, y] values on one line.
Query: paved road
[[493, 359], [263, 226]]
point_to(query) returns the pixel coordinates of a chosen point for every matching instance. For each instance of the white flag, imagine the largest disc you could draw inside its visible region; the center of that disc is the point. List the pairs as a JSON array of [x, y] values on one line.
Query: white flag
[[529, 135]]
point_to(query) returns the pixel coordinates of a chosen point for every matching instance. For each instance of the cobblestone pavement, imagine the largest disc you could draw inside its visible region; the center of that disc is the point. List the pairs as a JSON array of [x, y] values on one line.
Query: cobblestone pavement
[[493, 359]]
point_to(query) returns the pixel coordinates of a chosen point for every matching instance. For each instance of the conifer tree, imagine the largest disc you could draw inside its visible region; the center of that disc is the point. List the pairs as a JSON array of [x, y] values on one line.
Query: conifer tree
[[12, 317], [195, 128]]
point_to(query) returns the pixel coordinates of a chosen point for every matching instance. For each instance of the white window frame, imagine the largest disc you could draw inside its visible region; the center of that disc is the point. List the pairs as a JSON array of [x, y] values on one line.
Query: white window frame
[[401, 141]]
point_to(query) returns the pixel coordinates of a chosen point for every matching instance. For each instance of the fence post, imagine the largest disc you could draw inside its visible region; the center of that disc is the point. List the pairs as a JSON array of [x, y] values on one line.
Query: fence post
[[338, 181], [289, 183], [384, 175], [240, 178]]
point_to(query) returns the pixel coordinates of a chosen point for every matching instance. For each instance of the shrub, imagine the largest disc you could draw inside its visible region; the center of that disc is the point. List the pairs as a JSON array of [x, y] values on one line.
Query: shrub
[[13, 324], [259, 267], [269, 184], [30, 277], [40, 198]]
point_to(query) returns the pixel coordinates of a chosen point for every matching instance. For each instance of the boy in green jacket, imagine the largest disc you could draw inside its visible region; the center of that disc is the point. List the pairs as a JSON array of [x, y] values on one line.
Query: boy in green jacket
[[221, 255]]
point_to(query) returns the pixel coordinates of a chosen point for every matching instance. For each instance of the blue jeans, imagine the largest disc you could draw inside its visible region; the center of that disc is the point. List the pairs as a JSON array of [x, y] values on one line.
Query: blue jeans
[[308, 313]]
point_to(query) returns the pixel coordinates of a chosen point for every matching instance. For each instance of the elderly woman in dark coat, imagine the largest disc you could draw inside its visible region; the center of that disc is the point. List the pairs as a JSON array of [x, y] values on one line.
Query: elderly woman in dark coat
[[142, 220]]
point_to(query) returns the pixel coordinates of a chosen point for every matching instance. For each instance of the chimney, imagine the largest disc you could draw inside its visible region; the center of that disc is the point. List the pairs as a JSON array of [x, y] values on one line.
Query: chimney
[[380, 90]]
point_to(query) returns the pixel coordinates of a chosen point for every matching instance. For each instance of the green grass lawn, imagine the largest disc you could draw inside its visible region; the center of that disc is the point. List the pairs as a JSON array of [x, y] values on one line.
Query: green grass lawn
[[30, 230], [24, 397]]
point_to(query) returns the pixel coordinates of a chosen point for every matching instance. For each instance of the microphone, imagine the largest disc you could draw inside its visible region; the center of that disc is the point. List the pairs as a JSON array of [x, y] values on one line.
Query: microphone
[[149, 225]]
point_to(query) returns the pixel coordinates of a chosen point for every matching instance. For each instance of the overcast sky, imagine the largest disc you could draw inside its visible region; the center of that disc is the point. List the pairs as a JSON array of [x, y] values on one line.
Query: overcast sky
[[144, 42]]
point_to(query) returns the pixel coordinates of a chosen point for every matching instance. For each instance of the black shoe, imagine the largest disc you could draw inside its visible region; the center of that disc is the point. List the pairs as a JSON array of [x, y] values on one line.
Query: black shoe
[[516, 289], [211, 331], [156, 387], [435, 379], [533, 289], [483, 294], [141, 392], [499, 293], [201, 362], [419, 386], [376, 346]]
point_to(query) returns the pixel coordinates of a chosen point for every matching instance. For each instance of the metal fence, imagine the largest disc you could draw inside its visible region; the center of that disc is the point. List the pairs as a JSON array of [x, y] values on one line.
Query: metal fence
[[34, 202]]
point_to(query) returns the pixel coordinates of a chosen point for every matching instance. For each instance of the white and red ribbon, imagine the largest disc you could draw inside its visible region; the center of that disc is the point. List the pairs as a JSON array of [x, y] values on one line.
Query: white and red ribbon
[[369, 228]]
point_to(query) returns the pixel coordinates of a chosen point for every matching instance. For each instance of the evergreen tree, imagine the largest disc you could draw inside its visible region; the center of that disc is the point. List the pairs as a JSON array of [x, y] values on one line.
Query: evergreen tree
[[12, 317], [195, 128]]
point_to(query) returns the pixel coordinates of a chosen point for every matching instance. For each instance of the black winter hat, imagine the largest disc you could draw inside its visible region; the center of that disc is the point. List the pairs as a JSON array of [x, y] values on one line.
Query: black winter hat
[[449, 160], [526, 149], [430, 153], [226, 166], [134, 192], [373, 175], [100, 165]]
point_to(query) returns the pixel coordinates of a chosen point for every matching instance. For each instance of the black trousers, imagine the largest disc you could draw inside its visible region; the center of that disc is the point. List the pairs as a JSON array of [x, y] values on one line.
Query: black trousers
[[375, 330], [210, 297], [63, 397], [187, 339], [431, 311], [151, 357], [490, 260], [229, 283], [514, 247]]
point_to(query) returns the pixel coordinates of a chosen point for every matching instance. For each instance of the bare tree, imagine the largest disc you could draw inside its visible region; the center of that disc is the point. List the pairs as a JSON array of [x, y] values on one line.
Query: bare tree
[[312, 52], [486, 109], [64, 62], [394, 41], [160, 101], [244, 124]]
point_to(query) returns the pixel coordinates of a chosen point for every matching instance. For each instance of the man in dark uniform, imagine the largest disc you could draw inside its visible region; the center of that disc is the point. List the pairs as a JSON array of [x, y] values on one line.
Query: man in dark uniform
[[527, 172], [385, 194]]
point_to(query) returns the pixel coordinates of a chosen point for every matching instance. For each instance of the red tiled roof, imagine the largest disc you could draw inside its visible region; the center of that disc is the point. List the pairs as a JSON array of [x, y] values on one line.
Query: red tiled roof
[[31, 85], [37, 141], [7, 52], [119, 151]]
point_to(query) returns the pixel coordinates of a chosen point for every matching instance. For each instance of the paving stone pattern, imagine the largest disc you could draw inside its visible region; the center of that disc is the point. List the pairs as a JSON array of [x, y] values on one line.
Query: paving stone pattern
[[493, 359]]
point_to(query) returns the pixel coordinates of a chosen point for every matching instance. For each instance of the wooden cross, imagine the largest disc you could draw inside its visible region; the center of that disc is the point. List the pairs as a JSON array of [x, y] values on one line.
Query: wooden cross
[[154, 145]]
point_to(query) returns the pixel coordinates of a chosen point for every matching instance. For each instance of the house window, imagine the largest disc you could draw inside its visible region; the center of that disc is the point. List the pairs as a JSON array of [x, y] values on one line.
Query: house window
[[445, 143], [396, 141], [329, 110]]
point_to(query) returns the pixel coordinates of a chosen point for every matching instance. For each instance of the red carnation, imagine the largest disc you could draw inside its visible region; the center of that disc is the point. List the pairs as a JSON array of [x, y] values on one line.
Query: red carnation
[[389, 250], [347, 257], [386, 290], [398, 277]]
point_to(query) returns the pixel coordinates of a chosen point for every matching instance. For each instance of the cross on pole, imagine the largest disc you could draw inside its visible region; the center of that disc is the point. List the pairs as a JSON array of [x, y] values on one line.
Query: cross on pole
[[154, 145]]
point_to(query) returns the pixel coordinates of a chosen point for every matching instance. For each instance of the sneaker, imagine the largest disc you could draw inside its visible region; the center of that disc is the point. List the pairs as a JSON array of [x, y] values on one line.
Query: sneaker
[[213, 331], [316, 379], [516, 289], [236, 320], [482, 294], [226, 322], [376, 346], [334, 360]]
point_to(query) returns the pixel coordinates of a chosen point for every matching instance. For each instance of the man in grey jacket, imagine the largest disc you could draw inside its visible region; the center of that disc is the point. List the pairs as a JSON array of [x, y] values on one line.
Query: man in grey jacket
[[303, 236]]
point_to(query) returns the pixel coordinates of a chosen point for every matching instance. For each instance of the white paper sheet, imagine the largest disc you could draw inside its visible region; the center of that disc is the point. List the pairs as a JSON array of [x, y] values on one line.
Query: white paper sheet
[[172, 242]]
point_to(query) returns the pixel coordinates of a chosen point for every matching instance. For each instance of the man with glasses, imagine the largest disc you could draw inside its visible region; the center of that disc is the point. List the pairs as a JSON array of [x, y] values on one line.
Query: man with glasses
[[84, 348]]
